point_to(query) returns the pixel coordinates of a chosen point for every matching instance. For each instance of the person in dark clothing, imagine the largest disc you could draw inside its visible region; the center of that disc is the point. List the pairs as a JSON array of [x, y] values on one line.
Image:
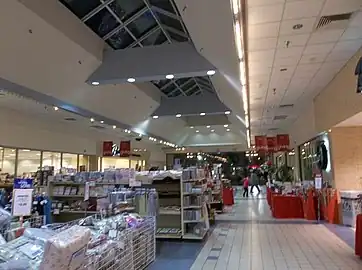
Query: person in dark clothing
[[254, 181]]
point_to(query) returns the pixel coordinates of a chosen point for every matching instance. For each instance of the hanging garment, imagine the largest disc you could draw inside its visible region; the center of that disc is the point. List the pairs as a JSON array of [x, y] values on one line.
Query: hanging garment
[[358, 73]]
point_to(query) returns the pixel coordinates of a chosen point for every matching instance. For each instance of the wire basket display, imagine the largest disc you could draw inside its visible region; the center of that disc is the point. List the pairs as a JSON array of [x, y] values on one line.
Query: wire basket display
[[16, 227]]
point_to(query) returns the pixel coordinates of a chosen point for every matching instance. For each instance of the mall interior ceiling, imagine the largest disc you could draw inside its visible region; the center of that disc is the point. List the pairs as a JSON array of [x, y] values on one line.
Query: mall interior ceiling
[[170, 73]]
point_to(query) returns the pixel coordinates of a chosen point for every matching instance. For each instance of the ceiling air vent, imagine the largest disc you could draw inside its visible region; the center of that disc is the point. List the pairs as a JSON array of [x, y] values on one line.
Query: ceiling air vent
[[336, 21], [70, 119], [97, 127], [280, 117], [286, 106]]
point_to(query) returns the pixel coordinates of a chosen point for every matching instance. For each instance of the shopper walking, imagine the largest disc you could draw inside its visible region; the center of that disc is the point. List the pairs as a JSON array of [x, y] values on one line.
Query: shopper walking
[[246, 187], [254, 182]]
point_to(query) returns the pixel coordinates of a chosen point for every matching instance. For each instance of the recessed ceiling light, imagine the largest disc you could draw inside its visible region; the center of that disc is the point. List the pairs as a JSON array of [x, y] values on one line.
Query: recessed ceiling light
[[208, 126], [227, 112], [228, 129], [170, 76], [191, 127], [55, 108], [197, 131], [212, 130], [178, 115], [26, 150], [202, 114], [144, 150], [211, 72], [155, 116], [226, 125], [114, 127], [131, 80], [102, 122], [92, 120], [140, 135], [297, 26], [95, 83], [161, 141]]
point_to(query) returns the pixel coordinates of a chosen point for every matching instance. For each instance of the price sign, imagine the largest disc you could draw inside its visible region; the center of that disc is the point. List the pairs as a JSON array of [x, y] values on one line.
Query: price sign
[[23, 183], [318, 181], [22, 202]]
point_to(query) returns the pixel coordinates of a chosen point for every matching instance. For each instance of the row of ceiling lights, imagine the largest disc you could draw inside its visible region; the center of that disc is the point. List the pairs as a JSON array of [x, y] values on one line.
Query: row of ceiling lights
[[238, 32], [179, 115], [168, 76], [129, 132], [213, 130]]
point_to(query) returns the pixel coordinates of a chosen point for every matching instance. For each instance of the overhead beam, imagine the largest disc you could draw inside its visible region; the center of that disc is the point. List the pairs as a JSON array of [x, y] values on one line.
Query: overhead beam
[[151, 63]]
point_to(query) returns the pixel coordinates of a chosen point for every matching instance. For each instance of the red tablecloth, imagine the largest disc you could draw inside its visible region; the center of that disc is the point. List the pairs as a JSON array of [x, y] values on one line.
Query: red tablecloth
[[358, 236], [268, 195], [228, 196], [287, 207]]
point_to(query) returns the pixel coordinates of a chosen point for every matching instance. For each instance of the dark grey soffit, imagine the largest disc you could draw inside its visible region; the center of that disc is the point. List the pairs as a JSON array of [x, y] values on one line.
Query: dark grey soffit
[[206, 103], [51, 101], [151, 64]]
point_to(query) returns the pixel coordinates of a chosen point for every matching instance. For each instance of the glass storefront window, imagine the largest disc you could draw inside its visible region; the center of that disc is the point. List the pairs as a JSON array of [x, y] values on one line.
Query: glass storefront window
[[291, 159], [28, 162], [7, 161], [69, 161], [114, 162], [52, 159], [83, 163], [135, 164], [308, 156]]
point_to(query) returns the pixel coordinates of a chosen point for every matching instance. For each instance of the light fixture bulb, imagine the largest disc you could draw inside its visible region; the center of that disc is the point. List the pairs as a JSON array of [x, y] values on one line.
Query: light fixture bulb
[[226, 125], [170, 76], [228, 129], [95, 83], [202, 114], [102, 122], [227, 112], [212, 130], [197, 131], [211, 72], [208, 126], [114, 127], [191, 127], [155, 116], [131, 80], [92, 120], [56, 108], [178, 115]]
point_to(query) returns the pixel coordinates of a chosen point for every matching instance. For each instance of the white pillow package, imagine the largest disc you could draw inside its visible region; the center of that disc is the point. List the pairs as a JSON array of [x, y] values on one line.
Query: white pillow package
[[66, 250]]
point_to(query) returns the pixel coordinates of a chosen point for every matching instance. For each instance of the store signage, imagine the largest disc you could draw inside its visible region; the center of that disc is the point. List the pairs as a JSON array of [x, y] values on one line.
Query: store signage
[[125, 148], [271, 144], [260, 143], [283, 142], [22, 202], [318, 181], [107, 149], [23, 183]]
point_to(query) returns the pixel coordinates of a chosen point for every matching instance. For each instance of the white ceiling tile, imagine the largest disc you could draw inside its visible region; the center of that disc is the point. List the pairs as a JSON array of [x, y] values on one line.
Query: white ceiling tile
[[262, 44], [253, 3], [259, 70], [265, 14], [286, 27], [294, 40], [349, 45], [298, 84], [333, 7], [261, 56], [263, 30], [323, 49], [352, 33], [283, 75], [325, 36], [289, 52], [278, 83], [332, 66], [286, 61], [309, 59], [339, 56], [307, 70], [356, 20], [302, 9]]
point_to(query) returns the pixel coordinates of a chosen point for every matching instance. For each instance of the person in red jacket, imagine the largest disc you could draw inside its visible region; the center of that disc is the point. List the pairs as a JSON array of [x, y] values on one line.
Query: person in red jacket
[[246, 186]]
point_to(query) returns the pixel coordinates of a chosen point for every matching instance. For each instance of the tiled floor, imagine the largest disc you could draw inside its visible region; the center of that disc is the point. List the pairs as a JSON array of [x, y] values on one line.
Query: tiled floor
[[247, 237]]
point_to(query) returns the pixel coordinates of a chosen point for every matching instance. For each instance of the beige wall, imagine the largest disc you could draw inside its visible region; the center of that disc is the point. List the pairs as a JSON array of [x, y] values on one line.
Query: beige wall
[[347, 157], [339, 100]]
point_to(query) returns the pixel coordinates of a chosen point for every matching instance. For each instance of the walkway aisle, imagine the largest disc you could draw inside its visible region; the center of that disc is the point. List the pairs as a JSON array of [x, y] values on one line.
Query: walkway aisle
[[249, 238]]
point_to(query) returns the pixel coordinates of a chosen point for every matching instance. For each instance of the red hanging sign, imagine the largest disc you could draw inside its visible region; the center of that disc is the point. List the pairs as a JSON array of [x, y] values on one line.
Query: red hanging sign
[[107, 149], [260, 143], [271, 144], [125, 148], [283, 142]]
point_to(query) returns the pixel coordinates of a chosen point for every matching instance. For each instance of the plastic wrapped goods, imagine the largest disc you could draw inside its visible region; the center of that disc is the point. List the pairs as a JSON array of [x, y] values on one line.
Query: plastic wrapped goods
[[66, 250], [5, 219]]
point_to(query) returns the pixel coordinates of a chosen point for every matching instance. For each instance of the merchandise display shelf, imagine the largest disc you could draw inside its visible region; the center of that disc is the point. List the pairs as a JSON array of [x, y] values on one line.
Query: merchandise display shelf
[[171, 213], [190, 236]]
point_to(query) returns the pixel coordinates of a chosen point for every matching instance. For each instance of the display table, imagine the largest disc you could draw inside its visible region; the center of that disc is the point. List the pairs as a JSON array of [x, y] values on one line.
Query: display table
[[268, 195], [228, 196], [358, 236], [287, 206], [309, 206], [351, 206]]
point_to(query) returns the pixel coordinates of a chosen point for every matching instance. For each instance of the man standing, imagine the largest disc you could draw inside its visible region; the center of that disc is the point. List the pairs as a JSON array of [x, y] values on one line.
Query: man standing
[[254, 181]]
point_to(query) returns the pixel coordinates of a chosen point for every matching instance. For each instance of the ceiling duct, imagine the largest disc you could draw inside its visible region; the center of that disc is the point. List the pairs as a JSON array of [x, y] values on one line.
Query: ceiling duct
[[337, 21]]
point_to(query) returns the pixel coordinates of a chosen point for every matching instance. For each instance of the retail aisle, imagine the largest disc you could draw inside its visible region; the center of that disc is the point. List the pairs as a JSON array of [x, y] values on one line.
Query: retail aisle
[[247, 237]]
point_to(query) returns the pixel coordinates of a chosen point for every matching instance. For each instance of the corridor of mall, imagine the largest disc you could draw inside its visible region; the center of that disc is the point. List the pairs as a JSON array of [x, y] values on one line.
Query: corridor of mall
[[247, 237]]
